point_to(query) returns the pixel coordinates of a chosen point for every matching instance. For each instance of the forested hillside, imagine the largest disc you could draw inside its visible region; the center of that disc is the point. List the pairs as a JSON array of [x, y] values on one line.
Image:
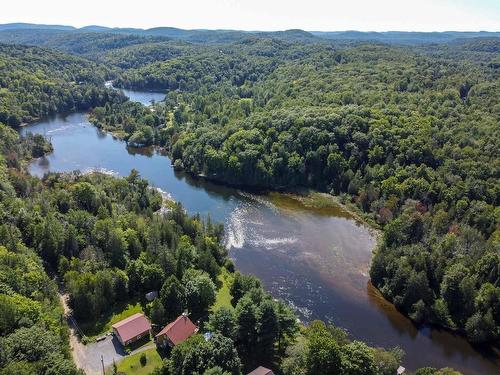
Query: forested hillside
[[87, 43], [107, 241], [34, 34], [409, 135], [32, 336], [36, 82]]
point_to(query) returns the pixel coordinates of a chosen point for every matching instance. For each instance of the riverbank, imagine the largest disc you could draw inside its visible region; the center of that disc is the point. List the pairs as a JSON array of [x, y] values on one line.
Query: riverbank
[[316, 262], [330, 205], [350, 276]]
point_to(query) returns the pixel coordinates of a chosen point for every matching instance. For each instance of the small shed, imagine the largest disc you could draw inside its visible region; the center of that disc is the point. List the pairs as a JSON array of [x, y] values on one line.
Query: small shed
[[151, 295], [261, 371], [176, 332], [401, 370], [132, 329]]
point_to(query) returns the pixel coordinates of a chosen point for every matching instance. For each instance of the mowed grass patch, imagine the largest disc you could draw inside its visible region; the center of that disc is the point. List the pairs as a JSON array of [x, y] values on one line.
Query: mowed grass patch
[[223, 297], [132, 364]]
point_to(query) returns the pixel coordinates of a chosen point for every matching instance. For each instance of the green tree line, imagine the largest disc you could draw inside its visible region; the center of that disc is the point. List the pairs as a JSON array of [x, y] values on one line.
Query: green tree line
[[410, 135]]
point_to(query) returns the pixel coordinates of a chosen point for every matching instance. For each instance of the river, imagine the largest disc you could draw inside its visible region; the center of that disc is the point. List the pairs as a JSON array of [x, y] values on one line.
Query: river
[[317, 260]]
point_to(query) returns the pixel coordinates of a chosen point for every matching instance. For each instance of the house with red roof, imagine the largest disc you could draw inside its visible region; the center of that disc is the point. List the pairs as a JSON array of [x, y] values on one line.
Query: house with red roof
[[176, 332], [261, 371], [132, 329]]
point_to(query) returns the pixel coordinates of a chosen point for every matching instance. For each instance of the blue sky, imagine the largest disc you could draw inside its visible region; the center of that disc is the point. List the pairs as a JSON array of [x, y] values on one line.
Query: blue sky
[[365, 15]]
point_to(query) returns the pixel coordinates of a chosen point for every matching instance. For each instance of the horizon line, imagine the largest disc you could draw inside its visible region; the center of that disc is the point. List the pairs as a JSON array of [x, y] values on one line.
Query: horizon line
[[249, 30]]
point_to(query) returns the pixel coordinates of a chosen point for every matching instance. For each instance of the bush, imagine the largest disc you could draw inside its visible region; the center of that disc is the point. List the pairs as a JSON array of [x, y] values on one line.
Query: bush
[[143, 359]]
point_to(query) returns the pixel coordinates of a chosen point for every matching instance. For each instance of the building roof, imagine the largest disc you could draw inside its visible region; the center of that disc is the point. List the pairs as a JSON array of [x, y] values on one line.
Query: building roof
[[132, 326], [261, 371], [151, 295], [179, 330]]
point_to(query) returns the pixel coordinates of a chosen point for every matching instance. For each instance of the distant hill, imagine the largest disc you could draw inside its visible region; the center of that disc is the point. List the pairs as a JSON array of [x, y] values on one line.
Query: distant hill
[[403, 37], [24, 33], [81, 42], [32, 26]]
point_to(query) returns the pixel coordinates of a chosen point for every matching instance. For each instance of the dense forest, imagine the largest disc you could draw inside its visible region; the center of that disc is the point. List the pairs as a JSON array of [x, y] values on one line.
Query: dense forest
[[32, 337], [408, 135], [411, 137], [37, 82], [108, 241]]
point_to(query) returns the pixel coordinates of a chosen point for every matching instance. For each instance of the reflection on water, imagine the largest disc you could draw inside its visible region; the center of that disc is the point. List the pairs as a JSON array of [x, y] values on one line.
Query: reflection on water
[[143, 97], [316, 259]]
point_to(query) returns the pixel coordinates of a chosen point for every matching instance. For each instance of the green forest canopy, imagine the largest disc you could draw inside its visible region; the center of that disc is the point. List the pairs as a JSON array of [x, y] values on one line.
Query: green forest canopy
[[410, 135], [106, 239]]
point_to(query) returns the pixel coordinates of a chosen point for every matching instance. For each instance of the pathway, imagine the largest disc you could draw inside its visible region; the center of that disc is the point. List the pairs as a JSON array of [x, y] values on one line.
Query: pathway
[[88, 357]]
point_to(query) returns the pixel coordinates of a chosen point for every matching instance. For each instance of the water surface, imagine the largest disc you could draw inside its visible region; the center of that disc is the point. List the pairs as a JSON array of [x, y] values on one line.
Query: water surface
[[317, 260], [143, 97]]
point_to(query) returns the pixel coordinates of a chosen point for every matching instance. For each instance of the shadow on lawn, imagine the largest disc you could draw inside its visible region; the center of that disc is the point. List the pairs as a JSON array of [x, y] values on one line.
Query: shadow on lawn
[[137, 344]]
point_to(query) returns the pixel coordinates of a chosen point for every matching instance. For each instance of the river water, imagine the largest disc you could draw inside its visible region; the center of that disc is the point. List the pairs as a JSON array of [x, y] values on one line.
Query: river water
[[316, 259]]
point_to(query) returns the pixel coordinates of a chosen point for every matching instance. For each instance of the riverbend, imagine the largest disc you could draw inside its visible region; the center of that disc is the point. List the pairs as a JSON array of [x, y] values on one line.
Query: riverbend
[[315, 258]]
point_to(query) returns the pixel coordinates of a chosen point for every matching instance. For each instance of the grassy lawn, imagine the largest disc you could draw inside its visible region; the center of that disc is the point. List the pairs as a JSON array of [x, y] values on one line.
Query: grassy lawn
[[132, 364], [103, 326], [223, 296]]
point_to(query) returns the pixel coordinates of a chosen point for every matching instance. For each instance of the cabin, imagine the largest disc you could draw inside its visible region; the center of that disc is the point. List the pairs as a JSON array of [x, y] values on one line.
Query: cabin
[[261, 371], [131, 329], [176, 332]]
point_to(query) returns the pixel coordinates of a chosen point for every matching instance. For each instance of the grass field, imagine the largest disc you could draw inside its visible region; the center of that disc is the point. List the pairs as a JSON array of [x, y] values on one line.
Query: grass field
[[223, 296], [132, 365]]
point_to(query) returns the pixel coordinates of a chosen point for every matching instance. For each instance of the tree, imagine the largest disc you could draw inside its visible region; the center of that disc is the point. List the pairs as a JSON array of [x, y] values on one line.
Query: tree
[[287, 323], [452, 290], [267, 328], [357, 359], [242, 284], [387, 362], [200, 291], [216, 371], [30, 344], [179, 353], [158, 313], [196, 355], [172, 297], [223, 354], [57, 364], [19, 368], [295, 361], [40, 146], [85, 195], [246, 318], [481, 328], [323, 355], [223, 321], [8, 315], [49, 239], [117, 247]]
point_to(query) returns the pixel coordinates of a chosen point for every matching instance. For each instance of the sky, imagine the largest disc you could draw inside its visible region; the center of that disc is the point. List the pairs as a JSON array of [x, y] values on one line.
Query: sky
[[265, 15]]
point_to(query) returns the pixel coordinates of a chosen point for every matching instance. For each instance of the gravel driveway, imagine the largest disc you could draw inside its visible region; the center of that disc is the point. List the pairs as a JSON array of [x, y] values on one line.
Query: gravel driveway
[[88, 357]]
